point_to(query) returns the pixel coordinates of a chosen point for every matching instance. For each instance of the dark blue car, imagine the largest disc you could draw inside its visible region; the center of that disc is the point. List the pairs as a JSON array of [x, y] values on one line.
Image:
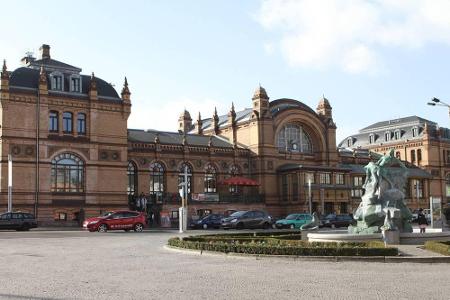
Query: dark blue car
[[209, 221]]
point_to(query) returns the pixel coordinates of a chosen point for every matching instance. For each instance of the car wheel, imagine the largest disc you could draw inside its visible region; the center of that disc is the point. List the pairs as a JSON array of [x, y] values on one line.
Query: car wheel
[[205, 226], [103, 228], [266, 225], [138, 227], [292, 226], [240, 226]]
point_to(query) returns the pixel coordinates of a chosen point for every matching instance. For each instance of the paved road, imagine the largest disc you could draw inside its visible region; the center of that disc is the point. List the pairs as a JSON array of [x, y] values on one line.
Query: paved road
[[118, 265]]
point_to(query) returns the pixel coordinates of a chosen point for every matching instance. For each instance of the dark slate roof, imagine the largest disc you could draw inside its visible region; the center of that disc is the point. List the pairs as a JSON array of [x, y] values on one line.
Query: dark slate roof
[[242, 116], [403, 125], [53, 63], [413, 171], [175, 138], [28, 78], [279, 105]]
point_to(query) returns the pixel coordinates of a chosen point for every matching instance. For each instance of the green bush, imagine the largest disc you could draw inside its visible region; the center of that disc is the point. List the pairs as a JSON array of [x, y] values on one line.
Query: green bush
[[439, 247], [281, 245]]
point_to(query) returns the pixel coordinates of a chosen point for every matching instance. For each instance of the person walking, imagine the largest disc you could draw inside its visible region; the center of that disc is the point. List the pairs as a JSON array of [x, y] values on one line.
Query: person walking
[[422, 221]]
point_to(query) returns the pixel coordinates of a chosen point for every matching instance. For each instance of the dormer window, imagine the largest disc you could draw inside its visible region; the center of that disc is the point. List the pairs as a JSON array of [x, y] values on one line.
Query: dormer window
[[57, 81], [349, 142], [387, 136], [397, 134], [75, 84], [415, 131], [371, 138]]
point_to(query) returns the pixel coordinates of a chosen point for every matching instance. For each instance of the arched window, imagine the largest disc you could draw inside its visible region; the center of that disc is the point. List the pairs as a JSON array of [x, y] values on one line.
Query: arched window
[[210, 179], [185, 167], [67, 174], [67, 122], [132, 179], [156, 179], [234, 171], [293, 138], [81, 123]]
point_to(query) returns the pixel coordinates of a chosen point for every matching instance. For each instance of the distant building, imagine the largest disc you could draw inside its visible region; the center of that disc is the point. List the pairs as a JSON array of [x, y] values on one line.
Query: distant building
[[415, 140], [74, 156]]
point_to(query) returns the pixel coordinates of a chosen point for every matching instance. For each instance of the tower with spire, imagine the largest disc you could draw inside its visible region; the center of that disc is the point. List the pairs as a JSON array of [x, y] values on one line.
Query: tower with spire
[[199, 124], [125, 92], [4, 77], [215, 121], [260, 102]]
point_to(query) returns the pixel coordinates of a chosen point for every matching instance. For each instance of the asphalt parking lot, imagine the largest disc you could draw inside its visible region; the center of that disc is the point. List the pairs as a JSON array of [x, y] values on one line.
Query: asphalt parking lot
[[119, 265]]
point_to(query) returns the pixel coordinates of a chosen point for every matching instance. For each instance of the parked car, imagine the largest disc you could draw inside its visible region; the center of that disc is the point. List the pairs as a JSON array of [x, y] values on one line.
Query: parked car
[[209, 221], [116, 220], [335, 221], [17, 221], [247, 219], [293, 221]]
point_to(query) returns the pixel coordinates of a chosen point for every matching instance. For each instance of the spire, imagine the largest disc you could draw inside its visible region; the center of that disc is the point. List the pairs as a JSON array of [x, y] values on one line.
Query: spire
[[215, 121], [199, 124], [260, 93], [125, 89], [4, 74], [232, 115]]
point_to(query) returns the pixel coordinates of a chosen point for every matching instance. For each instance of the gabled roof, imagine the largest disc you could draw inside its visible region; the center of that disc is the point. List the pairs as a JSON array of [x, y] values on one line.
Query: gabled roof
[[396, 123], [53, 63], [175, 138]]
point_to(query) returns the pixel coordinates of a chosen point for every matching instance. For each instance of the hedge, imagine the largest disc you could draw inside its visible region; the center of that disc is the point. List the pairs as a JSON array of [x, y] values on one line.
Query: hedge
[[275, 246], [439, 247]]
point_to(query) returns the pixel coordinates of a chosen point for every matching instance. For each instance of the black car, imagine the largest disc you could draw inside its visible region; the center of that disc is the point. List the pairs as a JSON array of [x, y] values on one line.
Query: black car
[[209, 221], [248, 219], [17, 221], [335, 221]]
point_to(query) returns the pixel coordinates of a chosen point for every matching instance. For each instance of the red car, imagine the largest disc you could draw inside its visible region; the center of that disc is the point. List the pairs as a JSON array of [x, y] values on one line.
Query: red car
[[116, 220]]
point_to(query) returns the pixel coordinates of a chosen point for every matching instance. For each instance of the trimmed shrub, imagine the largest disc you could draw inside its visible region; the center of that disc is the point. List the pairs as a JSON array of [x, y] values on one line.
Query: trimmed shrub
[[280, 245], [438, 247]]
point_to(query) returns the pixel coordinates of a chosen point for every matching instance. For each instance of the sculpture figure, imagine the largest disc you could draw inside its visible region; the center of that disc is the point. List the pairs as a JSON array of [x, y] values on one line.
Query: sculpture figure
[[313, 225]]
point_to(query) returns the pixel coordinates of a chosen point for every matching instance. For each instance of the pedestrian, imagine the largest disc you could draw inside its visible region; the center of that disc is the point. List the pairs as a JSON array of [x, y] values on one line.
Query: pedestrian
[[422, 220]]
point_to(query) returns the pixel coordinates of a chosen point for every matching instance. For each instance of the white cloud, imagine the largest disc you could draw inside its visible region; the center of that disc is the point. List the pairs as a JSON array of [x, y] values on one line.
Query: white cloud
[[269, 48], [350, 34], [165, 117]]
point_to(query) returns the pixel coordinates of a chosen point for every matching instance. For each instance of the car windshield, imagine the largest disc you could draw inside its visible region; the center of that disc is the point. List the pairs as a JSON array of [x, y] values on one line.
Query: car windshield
[[291, 217], [237, 214], [108, 213]]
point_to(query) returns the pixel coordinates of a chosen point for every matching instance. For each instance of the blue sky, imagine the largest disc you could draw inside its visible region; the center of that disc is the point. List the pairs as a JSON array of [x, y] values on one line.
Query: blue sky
[[373, 60]]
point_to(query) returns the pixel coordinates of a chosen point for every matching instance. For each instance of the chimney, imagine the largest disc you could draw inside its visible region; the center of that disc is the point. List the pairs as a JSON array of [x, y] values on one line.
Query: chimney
[[45, 51], [27, 59]]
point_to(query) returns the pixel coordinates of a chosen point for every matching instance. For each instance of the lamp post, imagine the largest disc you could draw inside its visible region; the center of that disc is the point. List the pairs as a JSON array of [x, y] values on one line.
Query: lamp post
[[309, 195], [9, 183], [437, 102]]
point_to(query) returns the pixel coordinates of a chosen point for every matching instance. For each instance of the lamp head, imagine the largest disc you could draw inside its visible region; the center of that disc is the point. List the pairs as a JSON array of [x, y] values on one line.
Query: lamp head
[[431, 103], [435, 100]]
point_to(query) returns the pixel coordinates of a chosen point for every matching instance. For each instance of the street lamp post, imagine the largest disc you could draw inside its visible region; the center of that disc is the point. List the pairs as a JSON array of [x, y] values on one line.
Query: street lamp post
[[437, 102], [309, 195]]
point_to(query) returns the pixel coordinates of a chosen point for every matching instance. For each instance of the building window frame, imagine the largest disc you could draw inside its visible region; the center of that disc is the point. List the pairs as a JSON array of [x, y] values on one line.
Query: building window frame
[[75, 83], [294, 138], [210, 179], [371, 138], [53, 121], [67, 173], [387, 136], [340, 179], [57, 81], [157, 179], [324, 178], [132, 179], [67, 122], [81, 124]]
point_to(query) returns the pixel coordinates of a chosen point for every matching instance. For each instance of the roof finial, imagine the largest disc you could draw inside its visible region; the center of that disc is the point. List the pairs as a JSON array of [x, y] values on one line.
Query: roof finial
[[125, 89], [42, 75], [199, 116], [4, 70], [232, 106]]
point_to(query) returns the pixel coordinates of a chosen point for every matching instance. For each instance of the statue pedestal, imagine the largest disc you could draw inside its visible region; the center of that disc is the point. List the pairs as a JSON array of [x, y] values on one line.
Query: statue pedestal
[[305, 233], [391, 237]]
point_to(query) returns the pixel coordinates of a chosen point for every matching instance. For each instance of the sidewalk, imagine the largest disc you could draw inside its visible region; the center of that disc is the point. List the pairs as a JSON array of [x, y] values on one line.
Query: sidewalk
[[416, 251]]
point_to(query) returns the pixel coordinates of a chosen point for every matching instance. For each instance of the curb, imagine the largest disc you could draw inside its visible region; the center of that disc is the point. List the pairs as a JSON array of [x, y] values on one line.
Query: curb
[[375, 259]]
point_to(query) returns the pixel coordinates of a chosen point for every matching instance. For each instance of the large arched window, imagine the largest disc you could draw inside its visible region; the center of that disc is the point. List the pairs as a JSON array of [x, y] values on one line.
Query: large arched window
[[210, 179], [67, 175], [185, 167], [156, 179], [132, 179], [234, 171], [293, 138]]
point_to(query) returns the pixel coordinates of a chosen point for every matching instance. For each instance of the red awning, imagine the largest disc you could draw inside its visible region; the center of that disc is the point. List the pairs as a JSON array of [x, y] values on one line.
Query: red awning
[[243, 181]]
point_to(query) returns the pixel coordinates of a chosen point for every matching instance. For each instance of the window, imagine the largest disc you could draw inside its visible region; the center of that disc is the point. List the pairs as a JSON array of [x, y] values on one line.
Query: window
[[371, 138], [293, 138], [325, 178], [397, 134], [418, 188], [284, 187], [132, 179], [67, 174], [415, 131], [234, 171], [81, 124], [349, 142], [75, 84], [156, 179], [62, 216], [340, 178], [53, 121], [57, 81], [387, 136], [413, 156], [185, 167], [419, 155], [357, 184], [294, 178], [397, 154], [210, 179], [447, 185], [67, 122]]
